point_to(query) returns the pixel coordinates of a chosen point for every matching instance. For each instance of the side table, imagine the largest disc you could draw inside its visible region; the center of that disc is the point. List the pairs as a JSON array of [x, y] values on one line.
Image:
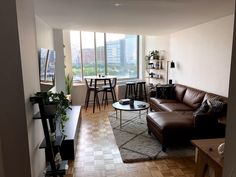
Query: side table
[[208, 156]]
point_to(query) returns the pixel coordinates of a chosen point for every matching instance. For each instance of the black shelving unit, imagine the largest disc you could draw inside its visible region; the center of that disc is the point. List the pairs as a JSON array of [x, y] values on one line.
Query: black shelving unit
[[51, 147]]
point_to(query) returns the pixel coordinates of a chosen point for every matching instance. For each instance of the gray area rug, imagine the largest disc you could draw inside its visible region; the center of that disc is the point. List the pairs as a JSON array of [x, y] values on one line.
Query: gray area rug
[[134, 142]]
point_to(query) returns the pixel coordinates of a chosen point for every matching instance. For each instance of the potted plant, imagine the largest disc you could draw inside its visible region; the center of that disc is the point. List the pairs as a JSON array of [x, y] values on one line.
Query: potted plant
[[69, 84], [56, 104], [155, 54]]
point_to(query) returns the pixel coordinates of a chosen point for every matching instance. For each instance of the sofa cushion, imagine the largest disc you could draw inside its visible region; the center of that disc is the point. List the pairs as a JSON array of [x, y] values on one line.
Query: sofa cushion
[[170, 121], [159, 100], [193, 97], [175, 107], [179, 91]]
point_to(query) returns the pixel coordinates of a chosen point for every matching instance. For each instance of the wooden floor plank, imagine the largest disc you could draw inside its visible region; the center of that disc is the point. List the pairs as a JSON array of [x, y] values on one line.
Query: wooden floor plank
[[98, 155]]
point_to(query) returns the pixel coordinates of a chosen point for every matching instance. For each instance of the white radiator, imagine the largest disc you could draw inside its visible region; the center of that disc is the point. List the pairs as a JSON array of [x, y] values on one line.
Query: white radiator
[[120, 91]]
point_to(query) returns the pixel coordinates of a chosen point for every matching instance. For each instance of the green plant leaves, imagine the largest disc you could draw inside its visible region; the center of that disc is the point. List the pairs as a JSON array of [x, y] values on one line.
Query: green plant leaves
[[69, 83]]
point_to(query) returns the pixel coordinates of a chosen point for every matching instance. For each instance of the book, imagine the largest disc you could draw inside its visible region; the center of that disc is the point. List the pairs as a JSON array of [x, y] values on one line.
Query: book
[[124, 101]]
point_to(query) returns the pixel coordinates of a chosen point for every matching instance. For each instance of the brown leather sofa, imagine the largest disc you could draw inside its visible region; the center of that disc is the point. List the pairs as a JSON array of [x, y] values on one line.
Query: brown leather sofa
[[175, 120]]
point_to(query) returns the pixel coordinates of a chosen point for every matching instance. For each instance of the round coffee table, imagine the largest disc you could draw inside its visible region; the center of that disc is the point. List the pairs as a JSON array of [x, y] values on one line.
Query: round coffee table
[[138, 106]]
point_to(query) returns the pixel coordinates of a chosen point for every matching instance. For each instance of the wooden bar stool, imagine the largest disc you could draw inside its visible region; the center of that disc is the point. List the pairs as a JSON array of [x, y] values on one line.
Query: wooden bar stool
[[130, 89], [140, 91]]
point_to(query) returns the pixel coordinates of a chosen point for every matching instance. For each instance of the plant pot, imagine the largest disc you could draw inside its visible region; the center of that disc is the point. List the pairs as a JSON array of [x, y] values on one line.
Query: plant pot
[[50, 109]]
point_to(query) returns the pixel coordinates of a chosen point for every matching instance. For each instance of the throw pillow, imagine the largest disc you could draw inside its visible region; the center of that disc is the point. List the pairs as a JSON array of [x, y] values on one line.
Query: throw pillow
[[165, 91], [216, 98], [203, 109], [217, 107]]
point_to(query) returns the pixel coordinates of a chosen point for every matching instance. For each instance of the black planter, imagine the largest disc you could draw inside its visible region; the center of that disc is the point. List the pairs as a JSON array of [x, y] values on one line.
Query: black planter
[[50, 109]]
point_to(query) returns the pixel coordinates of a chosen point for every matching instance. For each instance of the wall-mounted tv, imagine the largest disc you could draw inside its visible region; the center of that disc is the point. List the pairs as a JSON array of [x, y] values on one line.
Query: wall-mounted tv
[[47, 60]]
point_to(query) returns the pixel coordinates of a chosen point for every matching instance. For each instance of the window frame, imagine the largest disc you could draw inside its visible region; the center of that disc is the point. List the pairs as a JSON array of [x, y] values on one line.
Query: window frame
[[105, 55]]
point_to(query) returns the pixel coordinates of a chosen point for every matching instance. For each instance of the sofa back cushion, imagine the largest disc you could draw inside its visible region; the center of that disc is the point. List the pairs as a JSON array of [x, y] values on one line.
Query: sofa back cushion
[[209, 96], [193, 97], [179, 91]]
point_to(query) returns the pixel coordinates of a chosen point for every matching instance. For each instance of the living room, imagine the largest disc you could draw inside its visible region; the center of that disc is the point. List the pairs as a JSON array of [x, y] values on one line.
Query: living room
[[201, 52]]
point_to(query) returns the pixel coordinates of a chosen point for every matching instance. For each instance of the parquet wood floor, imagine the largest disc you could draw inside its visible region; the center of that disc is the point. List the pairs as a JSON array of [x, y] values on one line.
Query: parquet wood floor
[[98, 155]]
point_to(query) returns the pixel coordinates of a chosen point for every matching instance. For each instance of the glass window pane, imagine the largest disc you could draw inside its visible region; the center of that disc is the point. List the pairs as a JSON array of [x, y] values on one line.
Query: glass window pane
[[76, 55], [122, 55], [88, 53], [100, 53]]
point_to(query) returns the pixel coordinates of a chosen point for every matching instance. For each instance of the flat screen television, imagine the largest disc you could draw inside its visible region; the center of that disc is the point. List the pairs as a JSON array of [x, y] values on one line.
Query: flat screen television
[[47, 60]]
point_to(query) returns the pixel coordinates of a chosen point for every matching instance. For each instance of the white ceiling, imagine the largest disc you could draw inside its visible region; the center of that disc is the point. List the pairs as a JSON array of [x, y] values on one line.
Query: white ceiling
[[150, 17]]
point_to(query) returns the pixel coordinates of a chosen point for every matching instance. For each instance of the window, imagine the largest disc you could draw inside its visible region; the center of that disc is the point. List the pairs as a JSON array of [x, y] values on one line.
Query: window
[[88, 53], [122, 55], [96, 53]]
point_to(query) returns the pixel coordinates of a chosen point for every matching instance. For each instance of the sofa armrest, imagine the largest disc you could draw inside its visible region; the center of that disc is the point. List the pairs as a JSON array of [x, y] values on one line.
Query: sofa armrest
[[204, 120], [207, 126]]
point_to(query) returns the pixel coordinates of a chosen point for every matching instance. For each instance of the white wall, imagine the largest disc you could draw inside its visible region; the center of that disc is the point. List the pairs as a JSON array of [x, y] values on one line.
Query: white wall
[[29, 62], [203, 55], [60, 64], [157, 43], [44, 34]]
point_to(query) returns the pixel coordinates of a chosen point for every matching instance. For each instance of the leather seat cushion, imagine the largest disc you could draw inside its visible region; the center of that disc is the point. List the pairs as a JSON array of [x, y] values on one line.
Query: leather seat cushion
[[160, 100], [170, 107], [170, 121]]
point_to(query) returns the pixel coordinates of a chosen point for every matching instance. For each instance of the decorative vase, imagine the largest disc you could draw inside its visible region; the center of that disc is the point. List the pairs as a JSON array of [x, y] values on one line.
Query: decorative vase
[[157, 65], [221, 149], [131, 102]]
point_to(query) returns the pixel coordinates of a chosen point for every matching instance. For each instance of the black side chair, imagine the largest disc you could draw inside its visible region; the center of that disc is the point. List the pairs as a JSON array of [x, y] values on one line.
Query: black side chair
[[91, 88], [106, 89]]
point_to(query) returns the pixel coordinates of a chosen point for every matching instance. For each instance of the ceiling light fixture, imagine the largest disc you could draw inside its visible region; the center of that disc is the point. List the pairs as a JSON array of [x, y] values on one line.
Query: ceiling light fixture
[[117, 4]]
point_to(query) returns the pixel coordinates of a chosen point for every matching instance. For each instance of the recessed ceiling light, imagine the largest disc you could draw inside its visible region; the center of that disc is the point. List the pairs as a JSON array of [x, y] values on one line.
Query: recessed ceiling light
[[117, 4]]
